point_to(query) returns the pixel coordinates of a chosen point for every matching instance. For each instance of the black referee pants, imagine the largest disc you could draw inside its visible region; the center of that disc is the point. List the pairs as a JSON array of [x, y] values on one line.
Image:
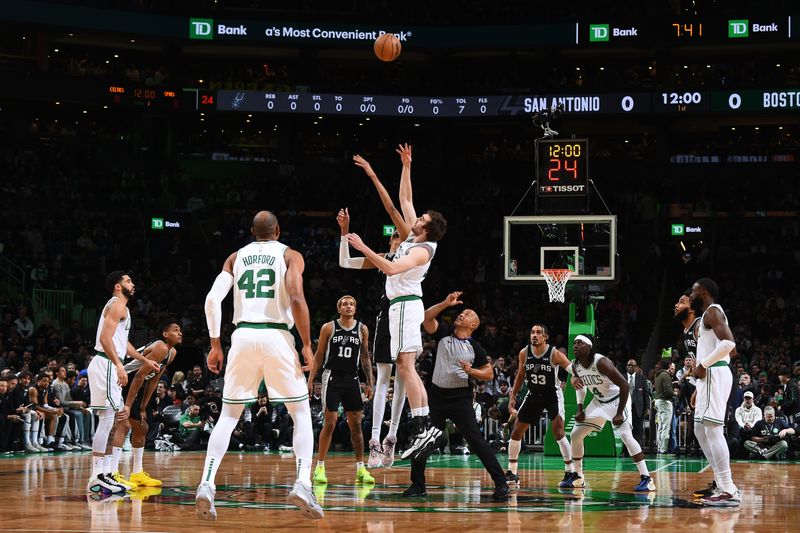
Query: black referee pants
[[458, 408]]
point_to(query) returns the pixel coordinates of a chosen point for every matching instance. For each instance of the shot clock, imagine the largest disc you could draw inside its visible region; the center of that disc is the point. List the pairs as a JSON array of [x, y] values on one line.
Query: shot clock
[[562, 167]]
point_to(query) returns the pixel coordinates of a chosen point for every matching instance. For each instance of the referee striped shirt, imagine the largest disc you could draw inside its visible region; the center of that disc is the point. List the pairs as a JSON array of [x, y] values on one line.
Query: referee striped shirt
[[447, 373]]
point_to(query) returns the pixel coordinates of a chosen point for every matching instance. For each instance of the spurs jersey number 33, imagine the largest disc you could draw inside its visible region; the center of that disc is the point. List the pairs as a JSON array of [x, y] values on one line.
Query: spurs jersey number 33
[[259, 287]]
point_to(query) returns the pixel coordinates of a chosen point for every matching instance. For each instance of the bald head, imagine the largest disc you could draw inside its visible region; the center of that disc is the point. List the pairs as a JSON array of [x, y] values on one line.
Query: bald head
[[265, 225]]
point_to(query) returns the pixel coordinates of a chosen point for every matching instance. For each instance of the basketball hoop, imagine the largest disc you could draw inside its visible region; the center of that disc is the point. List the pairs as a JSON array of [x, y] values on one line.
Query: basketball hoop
[[556, 279]]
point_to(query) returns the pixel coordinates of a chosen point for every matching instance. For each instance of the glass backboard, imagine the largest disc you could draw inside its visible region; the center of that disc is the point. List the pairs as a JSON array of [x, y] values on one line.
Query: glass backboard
[[586, 244]]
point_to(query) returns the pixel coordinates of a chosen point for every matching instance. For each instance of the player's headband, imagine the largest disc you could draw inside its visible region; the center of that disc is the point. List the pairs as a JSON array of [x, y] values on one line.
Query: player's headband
[[584, 339]]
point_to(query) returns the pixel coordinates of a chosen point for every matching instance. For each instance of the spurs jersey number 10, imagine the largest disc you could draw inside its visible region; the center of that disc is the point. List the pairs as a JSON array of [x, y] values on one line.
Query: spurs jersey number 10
[[259, 286]]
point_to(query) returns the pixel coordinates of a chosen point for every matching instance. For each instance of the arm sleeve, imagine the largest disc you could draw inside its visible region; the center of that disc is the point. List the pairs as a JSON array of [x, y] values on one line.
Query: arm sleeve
[[723, 349], [219, 290], [345, 261]]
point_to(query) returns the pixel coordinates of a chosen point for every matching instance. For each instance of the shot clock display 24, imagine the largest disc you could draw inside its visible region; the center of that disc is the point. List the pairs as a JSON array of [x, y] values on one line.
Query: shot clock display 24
[[562, 167]]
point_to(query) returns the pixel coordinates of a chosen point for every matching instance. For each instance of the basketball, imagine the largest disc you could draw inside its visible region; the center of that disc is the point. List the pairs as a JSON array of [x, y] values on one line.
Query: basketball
[[387, 47]]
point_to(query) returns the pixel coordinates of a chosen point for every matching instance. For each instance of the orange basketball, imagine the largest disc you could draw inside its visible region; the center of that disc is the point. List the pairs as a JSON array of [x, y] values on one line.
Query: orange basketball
[[387, 47]]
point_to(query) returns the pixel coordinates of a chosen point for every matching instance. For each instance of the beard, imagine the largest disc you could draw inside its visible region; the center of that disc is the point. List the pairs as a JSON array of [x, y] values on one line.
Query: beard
[[682, 315], [128, 293]]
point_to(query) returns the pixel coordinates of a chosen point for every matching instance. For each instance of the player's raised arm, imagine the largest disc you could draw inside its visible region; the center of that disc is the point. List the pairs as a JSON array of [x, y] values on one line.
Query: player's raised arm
[[345, 261], [222, 285], [418, 255], [397, 218], [295, 265], [406, 196], [430, 323]]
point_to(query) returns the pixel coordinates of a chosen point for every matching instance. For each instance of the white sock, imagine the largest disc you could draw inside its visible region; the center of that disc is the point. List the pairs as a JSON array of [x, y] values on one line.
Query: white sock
[[702, 439], [107, 463], [218, 442], [97, 465], [138, 453], [49, 439], [398, 402], [514, 446], [104, 426], [642, 467], [722, 459], [379, 400], [321, 463], [419, 411], [303, 441], [358, 466], [578, 466], [566, 453], [116, 453]]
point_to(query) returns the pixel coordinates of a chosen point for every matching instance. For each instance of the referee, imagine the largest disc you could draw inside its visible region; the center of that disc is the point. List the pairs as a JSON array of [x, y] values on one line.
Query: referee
[[458, 357]]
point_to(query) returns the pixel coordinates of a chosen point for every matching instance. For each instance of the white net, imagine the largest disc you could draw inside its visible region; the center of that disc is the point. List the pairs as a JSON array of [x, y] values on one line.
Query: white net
[[556, 279]]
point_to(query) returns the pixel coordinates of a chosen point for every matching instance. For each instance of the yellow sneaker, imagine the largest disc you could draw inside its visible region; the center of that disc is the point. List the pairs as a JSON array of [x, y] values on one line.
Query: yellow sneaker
[[319, 492], [143, 492], [127, 483], [363, 476], [319, 474], [143, 479]]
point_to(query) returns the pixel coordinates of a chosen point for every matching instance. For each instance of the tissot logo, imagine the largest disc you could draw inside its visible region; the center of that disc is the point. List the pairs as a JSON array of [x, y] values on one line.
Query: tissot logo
[[201, 29]]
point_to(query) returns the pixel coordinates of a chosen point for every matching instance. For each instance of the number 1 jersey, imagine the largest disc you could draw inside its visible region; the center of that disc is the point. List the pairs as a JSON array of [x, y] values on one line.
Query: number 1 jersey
[[259, 284]]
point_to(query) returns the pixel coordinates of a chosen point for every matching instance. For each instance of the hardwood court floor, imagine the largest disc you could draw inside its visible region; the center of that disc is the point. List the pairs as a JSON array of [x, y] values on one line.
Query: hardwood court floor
[[47, 493]]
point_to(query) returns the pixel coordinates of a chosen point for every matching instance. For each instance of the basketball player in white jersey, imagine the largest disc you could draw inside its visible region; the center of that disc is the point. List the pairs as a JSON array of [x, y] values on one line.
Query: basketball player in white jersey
[[598, 374], [267, 280], [406, 312], [380, 454], [713, 381], [162, 351], [107, 376]]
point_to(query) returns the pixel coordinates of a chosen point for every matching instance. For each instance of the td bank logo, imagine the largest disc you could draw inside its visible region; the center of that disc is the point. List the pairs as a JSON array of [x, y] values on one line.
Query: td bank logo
[[156, 223], [598, 33], [738, 29], [677, 230], [201, 29]]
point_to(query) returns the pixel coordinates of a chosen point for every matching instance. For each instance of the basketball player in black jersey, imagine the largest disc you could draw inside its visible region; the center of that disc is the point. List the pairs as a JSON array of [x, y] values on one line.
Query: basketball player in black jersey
[[686, 315], [538, 367], [379, 454], [162, 351], [342, 344]]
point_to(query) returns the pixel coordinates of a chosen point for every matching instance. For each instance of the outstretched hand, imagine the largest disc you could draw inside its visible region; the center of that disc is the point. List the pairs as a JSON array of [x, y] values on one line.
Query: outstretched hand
[[404, 150], [356, 242], [363, 163], [343, 219], [453, 298]]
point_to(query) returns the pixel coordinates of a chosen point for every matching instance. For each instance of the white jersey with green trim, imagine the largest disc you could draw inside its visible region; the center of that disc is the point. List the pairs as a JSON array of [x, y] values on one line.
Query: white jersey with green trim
[[409, 283], [595, 381], [707, 340], [259, 284], [120, 337]]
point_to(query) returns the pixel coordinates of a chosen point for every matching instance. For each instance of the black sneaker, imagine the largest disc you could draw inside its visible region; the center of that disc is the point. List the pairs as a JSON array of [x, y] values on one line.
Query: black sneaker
[[501, 493], [422, 443], [414, 491], [569, 477], [511, 477], [708, 491]]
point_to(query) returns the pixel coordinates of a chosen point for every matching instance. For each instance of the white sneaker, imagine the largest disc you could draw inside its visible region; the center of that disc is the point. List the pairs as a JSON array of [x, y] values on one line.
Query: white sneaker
[[422, 442], [375, 454], [302, 497], [64, 447], [99, 484], [204, 502], [32, 449], [389, 444], [42, 448], [84, 447]]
